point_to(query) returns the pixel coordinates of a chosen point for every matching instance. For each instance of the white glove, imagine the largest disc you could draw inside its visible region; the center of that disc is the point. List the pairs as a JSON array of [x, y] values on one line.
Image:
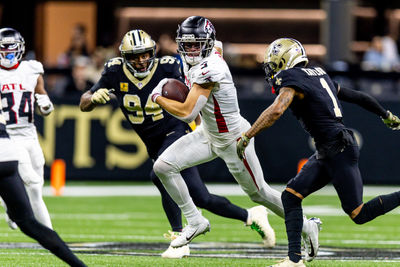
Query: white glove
[[101, 96], [44, 103], [157, 90]]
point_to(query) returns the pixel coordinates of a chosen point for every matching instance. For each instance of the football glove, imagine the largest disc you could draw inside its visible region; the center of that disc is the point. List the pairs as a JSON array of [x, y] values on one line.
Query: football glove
[[392, 121], [101, 96], [157, 90], [44, 103], [241, 145]]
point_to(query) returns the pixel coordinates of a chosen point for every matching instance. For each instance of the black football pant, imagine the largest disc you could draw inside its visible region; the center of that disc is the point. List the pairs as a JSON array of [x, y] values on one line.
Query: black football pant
[[198, 191], [13, 192], [342, 170]]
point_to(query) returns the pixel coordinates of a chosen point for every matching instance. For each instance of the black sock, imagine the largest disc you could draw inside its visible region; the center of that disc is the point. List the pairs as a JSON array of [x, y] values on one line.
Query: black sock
[[294, 224], [222, 207], [50, 240], [377, 206]]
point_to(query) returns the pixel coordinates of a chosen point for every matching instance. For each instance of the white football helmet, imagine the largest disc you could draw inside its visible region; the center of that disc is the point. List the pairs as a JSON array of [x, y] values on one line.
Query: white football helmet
[[12, 47]]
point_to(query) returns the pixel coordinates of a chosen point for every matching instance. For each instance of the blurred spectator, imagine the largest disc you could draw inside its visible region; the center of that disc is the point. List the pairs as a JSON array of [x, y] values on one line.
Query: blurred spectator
[[78, 82], [96, 64], [166, 46], [390, 52], [382, 55], [78, 47]]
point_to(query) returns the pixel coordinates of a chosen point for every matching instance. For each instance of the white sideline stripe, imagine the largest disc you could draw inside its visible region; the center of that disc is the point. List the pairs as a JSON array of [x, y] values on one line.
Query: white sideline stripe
[[218, 189]]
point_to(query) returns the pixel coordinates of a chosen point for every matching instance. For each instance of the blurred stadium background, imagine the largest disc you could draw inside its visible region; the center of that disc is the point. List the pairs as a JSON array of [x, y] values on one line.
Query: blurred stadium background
[[74, 38]]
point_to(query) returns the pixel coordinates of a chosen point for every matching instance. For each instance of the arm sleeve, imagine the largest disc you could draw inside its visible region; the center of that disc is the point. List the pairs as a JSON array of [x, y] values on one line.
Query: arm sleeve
[[362, 99], [102, 83]]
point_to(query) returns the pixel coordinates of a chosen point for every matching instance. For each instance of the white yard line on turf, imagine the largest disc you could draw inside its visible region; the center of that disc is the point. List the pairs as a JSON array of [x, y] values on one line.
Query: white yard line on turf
[[218, 189]]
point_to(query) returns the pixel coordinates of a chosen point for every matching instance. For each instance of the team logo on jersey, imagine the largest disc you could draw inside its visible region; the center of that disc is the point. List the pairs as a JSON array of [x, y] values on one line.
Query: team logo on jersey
[[123, 87], [278, 81]]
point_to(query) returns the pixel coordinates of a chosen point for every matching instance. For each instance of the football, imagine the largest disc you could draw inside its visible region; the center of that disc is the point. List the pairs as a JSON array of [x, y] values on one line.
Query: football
[[175, 90]]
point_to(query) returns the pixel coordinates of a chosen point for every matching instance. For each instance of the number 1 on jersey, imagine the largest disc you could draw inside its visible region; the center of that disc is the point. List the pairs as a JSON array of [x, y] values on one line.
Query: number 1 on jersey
[[336, 109]]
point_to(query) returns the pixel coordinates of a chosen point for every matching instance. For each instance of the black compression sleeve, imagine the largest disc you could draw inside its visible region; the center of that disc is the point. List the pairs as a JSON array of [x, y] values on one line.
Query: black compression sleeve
[[363, 100]]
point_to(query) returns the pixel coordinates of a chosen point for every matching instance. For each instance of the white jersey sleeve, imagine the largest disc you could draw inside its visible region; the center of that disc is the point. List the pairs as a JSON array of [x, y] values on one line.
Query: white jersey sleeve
[[209, 71], [35, 67], [221, 115]]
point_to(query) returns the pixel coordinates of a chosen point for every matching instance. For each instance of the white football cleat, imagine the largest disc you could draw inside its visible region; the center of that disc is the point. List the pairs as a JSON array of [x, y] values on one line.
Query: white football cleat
[[310, 239], [258, 220], [190, 232], [10, 223], [288, 263], [175, 253]]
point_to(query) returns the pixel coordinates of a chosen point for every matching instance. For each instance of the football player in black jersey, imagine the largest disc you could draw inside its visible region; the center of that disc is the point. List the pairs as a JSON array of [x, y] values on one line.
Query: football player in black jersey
[[314, 99], [133, 77], [13, 193]]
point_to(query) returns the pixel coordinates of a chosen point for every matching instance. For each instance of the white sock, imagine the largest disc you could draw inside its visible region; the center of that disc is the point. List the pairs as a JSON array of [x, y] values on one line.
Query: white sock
[[39, 208], [177, 189], [306, 224]]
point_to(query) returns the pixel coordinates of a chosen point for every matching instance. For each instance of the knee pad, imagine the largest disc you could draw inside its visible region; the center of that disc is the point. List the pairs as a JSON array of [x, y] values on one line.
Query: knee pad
[[160, 167], [361, 218], [288, 199]]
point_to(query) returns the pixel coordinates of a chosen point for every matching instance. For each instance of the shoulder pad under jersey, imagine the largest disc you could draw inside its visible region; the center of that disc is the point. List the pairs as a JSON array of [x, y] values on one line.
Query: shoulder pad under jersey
[[33, 66], [210, 70], [114, 64]]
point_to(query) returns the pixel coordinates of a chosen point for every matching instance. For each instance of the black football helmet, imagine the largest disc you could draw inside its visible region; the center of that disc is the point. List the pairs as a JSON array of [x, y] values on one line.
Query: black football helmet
[[195, 31], [12, 47]]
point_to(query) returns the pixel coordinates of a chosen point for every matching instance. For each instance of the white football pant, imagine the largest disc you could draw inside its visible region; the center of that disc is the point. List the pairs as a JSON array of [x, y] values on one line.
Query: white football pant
[[195, 148], [30, 168]]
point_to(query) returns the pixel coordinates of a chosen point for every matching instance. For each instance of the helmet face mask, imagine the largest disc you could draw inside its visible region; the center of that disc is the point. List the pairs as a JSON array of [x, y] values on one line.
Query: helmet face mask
[[138, 51], [12, 47], [282, 54], [195, 38]]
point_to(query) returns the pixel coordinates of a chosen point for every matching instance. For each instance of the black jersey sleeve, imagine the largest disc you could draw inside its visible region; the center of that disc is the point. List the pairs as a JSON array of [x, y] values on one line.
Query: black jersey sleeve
[[362, 99], [288, 78], [172, 67], [110, 67]]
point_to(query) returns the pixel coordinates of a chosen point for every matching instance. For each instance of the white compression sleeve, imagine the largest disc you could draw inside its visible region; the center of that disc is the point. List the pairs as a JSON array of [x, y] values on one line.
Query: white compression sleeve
[[200, 103]]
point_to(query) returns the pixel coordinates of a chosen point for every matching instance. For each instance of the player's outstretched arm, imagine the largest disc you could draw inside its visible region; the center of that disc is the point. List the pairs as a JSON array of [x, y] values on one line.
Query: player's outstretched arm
[[267, 118], [273, 112], [86, 103], [369, 103]]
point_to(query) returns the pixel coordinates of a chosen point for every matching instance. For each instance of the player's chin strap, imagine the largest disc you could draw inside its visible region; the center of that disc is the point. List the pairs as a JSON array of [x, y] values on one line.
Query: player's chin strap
[[200, 103]]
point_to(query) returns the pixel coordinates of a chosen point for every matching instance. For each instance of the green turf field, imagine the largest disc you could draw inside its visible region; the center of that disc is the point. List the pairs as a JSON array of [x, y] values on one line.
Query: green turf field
[[131, 220]]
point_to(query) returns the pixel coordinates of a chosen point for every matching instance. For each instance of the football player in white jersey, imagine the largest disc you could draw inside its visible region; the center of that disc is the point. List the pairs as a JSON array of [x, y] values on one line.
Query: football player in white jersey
[[21, 82], [213, 93], [12, 191]]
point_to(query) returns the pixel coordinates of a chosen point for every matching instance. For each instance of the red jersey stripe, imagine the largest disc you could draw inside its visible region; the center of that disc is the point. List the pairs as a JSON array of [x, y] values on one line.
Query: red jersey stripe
[[222, 127]]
